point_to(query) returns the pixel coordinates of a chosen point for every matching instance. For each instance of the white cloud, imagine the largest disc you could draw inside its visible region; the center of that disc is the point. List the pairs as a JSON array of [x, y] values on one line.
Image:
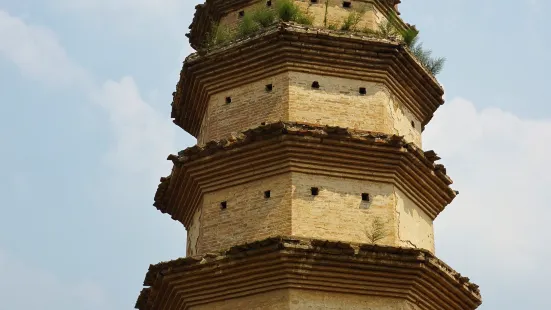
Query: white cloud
[[135, 16], [500, 164], [26, 287], [37, 52], [142, 7], [143, 138]]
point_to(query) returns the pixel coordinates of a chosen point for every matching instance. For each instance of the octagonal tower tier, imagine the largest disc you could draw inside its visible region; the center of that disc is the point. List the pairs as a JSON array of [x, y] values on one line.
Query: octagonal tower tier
[[308, 187]]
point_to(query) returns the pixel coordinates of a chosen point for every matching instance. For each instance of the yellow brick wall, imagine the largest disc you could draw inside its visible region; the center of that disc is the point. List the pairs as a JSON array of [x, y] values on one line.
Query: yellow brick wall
[[308, 299], [251, 105], [337, 102], [338, 212], [274, 300], [415, 228], [248, 217]]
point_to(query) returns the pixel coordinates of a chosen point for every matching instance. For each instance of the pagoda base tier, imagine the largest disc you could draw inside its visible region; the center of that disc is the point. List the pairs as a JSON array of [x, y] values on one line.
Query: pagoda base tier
[[298, 273]]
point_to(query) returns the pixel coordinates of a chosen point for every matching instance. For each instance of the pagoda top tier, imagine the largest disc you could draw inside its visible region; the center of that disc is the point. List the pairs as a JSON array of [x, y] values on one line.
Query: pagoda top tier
[[328, 13]]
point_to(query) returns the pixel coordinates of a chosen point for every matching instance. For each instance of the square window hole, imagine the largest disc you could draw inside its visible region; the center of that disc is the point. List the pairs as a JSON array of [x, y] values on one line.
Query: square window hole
[[363, 91], [241, 14], [228, 100], [269, 3], [365, 196], [313, 1], [224, 205], [269, 87], [267, 194], [315, 191], [315, 85], [347, 4]]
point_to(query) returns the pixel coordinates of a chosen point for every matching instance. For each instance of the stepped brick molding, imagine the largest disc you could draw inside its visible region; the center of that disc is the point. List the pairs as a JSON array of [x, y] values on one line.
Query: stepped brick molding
[[391, 155], [296, 268], [288, 47]]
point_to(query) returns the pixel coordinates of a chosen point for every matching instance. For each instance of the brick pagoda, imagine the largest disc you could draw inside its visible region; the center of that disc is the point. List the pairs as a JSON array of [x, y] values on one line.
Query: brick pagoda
[[308, 187]]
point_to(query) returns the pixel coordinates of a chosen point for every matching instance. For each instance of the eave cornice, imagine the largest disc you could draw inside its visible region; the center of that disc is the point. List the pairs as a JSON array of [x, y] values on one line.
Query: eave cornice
[[292, 47], [290, 147], [289, 262]]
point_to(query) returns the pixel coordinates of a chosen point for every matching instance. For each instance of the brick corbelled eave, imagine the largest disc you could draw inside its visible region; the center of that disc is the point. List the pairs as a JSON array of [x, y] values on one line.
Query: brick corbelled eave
[[404, 164], [292, 47], [411, 274]]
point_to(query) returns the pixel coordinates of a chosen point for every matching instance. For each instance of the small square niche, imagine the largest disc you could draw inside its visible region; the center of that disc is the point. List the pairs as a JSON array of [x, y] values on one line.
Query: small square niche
[[228, 100], [347, 4], [269, 87], [223, 205], [269, 3], [267, 194], [363, 91], [365, 197], [241, 14], [315, 191], [315, 85]]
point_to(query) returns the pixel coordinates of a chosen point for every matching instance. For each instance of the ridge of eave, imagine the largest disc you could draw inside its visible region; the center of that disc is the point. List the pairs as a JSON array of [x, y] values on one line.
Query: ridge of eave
[[304, 246], [305, 129], [217, 148]]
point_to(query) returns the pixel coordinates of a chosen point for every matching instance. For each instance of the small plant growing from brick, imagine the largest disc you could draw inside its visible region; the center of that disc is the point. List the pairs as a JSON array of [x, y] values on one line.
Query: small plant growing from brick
[[260, 17], [377, 230], [410, 37], [288, 11], [353, 19]]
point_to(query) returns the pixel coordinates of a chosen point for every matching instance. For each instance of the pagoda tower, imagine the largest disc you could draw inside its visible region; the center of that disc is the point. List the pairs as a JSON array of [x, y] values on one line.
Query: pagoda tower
[[308, 187]]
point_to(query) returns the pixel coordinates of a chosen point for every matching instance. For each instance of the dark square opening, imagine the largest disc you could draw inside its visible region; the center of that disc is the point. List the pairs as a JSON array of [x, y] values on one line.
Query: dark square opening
[[269, 3], [267, 194], [363, 91], [365, 197], [269, 87], [413, 124], [316, 85], [241, 14], [315, 191], [228, 100], [347, 4], [313, 1], [224, 205]]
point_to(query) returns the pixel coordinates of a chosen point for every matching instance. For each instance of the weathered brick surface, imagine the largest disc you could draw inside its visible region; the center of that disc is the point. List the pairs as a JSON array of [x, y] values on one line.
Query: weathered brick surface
[[248, 216], [276, 300], [308, 299], [337, 213], [337, 102], [251, 105]]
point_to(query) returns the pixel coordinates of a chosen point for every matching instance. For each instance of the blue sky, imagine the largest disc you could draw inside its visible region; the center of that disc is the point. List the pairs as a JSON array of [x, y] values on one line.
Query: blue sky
[[85, 91]]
